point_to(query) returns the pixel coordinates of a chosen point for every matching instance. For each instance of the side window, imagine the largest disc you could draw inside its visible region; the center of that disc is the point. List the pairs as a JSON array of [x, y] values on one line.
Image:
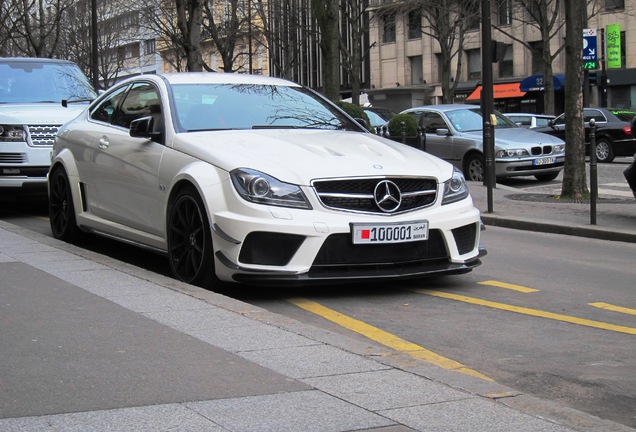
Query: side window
[[105, 110], [142, 100], [432, 121], [594, 114]]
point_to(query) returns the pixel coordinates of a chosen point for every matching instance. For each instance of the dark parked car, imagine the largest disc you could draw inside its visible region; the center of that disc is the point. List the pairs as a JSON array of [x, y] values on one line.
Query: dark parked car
[[613, 132], [379, 117]]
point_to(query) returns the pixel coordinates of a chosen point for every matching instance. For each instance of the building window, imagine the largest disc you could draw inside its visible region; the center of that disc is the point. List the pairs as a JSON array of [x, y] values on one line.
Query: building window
[[611, 5], [538, 65], [474, 64], [505, 66], [417, 76], [388, 28], [504, 12], [149, 46], [415, 24]]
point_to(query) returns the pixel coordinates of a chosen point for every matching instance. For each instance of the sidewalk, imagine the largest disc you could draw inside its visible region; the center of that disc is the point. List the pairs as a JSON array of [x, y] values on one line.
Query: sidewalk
[[101, 345], [540, 211]]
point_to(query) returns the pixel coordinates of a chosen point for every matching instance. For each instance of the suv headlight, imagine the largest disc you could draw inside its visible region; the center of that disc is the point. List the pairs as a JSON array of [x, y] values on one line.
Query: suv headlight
[[512, 153], [260, 188], [12, 133], [455, 189]]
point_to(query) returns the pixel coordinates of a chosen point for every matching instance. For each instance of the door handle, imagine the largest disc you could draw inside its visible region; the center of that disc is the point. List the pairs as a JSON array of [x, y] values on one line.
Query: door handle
[[103, 143]]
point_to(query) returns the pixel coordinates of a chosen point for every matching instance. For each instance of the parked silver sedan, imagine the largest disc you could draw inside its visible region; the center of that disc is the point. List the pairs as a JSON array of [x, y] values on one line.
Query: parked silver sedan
[[455, 133]]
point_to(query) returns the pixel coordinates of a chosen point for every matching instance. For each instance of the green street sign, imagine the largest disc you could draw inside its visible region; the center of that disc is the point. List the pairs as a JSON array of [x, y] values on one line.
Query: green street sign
[[613, 40], [590, 65]]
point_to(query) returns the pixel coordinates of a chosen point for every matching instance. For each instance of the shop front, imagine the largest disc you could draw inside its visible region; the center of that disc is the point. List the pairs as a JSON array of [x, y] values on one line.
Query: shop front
[[507, 97]]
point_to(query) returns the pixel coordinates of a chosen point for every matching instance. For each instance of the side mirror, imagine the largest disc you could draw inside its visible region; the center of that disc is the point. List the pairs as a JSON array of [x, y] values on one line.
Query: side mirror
[[143, 127], [442, 132], [363, 122]]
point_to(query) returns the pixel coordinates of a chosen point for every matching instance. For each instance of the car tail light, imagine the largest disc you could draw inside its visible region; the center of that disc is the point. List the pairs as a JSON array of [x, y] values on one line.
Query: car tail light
[[627, 130]]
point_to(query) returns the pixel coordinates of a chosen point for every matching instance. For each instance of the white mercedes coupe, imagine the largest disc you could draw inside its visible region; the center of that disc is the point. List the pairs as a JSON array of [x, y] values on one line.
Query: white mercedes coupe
[[257, 180]]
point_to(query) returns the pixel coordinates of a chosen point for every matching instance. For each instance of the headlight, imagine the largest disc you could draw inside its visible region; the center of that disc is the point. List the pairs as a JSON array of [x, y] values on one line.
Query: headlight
[[559, 148], [12, 133], [455, 189], [511, 153], [258, 187]]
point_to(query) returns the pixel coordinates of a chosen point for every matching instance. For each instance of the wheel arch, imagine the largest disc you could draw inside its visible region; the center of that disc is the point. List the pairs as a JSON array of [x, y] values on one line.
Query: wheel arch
[[468, 155], [65, 160]]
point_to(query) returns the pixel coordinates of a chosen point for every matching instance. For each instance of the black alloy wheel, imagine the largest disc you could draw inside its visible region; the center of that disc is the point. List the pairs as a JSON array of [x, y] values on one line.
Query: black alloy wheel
[[61, 209], [190, 248]]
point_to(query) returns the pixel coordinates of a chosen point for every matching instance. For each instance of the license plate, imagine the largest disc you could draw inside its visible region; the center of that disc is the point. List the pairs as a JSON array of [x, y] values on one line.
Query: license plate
[[544, 161], [389, 233]]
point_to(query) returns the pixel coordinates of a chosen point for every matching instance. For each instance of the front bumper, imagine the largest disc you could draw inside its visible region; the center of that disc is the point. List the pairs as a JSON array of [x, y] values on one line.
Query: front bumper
[[267, 246]]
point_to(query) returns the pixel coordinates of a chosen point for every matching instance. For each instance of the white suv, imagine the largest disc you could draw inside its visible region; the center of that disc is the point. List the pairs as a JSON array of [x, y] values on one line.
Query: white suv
[[37, 96]]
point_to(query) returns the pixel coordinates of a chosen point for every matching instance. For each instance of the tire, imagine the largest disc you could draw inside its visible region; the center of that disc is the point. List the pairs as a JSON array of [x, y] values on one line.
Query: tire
[[61, 209], [474, 167], [546, 177], [604, 150], [190, 249]]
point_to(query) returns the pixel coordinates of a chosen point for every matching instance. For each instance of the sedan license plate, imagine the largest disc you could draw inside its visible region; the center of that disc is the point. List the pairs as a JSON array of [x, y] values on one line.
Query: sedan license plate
[[544, 161], [389, 233]]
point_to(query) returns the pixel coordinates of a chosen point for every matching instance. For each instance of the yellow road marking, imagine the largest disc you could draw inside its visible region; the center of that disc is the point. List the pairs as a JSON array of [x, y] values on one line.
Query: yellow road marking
[[532, 312], [385, 338], [613, 308], [508, 286]]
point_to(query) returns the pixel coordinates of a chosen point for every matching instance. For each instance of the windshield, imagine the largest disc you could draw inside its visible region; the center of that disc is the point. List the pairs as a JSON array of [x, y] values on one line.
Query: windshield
[[251, 106], [470, 120], [32, 82]]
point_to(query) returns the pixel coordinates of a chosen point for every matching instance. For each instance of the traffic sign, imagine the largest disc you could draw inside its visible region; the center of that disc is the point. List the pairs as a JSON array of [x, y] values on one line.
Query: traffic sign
[[590, 53]]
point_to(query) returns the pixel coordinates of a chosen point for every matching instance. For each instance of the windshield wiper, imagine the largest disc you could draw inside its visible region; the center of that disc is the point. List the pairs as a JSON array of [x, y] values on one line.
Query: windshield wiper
[[275, 127]]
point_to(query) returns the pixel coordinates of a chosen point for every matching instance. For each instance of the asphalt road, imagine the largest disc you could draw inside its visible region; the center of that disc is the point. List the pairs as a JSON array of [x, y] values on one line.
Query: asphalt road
[[547, 315]]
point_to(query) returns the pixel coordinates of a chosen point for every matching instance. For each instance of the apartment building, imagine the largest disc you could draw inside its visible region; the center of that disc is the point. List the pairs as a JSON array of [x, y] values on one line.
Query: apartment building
[[406, 62]]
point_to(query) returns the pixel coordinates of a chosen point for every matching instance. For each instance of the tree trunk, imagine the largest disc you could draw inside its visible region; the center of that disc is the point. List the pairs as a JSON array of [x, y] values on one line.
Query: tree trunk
[[326, 13], [189, 20], [574, 179]]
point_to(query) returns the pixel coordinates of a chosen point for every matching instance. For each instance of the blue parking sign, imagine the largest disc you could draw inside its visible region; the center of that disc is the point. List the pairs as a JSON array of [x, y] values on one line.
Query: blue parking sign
[[590, 53]]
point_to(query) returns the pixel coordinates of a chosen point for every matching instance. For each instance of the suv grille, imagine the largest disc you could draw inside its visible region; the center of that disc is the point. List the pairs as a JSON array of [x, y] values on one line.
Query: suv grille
[[13, 158], [43, 135], [359, 194]]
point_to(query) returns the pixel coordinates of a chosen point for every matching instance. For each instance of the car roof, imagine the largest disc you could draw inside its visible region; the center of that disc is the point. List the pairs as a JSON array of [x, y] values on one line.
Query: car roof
[[33, 60], [442, 107], [224, 78], [529, 114]]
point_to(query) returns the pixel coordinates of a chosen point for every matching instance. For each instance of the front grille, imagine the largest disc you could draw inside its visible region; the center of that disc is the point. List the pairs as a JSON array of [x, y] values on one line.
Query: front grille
[[22, 171], [13, 158], [465, 238], [43, 135], [357, 194], [338, 252], [545, 150]]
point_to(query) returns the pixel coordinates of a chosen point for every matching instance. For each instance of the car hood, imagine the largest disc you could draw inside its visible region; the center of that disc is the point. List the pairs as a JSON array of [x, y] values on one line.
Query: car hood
[[39, 113], [299, 156], [515, 137]]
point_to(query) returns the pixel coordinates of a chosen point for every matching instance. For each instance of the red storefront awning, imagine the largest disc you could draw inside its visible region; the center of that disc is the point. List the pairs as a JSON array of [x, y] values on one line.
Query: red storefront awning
[[500, 91]]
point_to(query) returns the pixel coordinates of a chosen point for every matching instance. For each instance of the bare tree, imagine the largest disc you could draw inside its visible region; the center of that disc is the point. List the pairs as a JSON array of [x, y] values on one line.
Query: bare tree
[[447, 23], [351, 44], [545, 16], [35, 29], [574, 180], [227, 25], [8, 10]]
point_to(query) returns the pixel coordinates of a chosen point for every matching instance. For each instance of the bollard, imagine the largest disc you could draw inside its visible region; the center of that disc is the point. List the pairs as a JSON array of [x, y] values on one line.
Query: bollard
[[403, 132], [593, 173], [422, 138]]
